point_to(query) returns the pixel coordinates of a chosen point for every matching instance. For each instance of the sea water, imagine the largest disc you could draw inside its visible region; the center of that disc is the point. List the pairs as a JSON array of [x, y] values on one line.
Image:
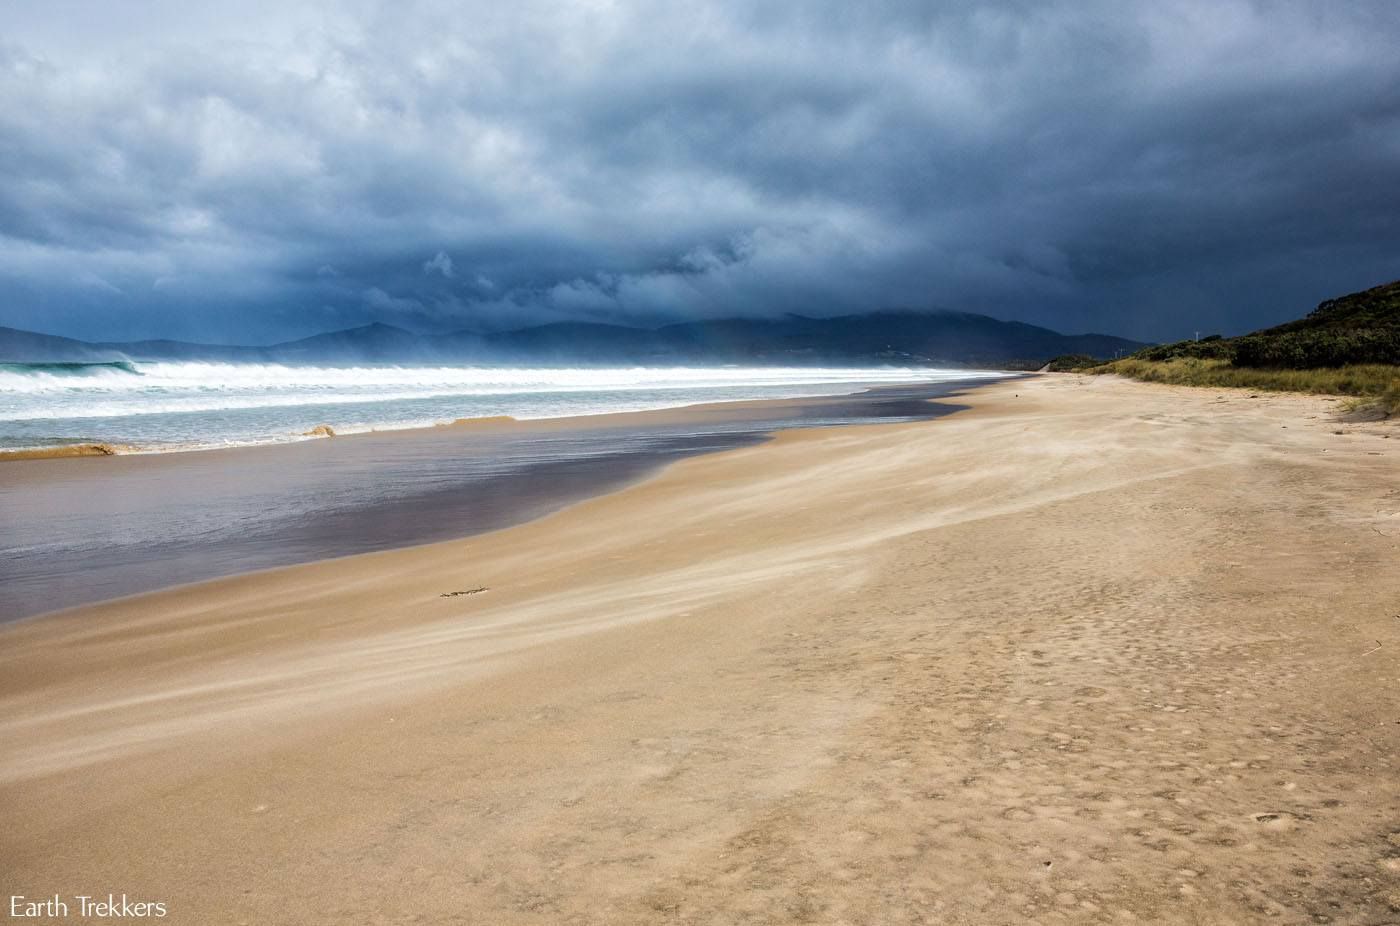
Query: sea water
[[157, 406]]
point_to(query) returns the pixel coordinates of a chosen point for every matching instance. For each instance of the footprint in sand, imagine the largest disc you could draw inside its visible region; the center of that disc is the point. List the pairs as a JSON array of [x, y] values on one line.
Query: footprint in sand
[[1278, 819]]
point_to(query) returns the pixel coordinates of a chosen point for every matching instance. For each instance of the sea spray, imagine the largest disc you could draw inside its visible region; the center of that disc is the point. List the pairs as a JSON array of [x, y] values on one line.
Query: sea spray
[[172, 405]]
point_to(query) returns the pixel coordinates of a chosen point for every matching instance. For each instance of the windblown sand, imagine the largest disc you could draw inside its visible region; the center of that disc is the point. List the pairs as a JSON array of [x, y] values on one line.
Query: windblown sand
[[1090, 651]]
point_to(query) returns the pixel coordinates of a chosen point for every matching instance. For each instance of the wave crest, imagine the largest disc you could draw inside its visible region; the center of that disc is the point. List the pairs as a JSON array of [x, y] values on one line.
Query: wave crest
[[35, 392]]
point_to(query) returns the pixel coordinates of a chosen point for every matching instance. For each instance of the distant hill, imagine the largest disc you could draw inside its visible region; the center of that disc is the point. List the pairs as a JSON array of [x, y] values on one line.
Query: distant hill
[[951, 338], [1360, 328], [18, 346], [958, 338], [377, 343]]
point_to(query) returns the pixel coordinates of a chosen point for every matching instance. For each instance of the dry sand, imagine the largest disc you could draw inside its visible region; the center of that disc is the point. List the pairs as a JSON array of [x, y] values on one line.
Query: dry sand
[[1091, 651]]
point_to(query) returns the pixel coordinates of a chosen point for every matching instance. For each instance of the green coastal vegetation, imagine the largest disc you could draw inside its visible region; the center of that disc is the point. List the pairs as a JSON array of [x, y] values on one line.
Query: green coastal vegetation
[[1349, 346]]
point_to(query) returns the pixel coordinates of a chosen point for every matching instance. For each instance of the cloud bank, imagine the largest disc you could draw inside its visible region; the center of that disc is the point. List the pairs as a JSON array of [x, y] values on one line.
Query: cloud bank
[[244, 171]]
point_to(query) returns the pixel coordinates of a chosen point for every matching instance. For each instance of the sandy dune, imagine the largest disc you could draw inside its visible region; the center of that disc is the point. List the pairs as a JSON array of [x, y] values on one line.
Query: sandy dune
[[1091, 651]]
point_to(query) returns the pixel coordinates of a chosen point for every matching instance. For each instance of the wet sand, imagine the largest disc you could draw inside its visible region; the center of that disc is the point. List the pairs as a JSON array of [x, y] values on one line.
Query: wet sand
[[62, 452], [1087, 651], [81, 531]]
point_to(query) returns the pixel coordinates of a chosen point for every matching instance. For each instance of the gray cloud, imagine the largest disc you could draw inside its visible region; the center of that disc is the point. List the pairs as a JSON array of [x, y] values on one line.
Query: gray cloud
[[1142, 168], [440, 263]]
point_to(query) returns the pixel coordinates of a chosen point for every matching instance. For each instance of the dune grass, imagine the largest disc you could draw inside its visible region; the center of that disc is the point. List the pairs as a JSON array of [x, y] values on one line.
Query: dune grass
[[1372, 386]]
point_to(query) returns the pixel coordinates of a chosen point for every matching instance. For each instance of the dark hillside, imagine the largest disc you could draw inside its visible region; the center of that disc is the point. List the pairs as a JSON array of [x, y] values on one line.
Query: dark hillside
[[1360, 328]]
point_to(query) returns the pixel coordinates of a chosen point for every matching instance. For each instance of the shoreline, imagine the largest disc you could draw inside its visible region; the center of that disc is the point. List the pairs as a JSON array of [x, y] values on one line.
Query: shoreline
[[65, 452], [83, 533], [1084, 650], [324, 430]]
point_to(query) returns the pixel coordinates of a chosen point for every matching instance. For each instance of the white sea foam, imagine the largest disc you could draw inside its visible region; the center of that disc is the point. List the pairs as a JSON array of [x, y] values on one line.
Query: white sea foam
[[222, 403]]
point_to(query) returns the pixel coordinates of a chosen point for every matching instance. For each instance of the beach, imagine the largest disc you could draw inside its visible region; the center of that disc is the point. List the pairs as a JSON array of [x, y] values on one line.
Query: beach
[[1083, 650], [86, 530]]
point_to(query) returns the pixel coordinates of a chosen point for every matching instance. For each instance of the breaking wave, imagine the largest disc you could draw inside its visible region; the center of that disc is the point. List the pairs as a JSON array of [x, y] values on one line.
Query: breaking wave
[[219, 403]]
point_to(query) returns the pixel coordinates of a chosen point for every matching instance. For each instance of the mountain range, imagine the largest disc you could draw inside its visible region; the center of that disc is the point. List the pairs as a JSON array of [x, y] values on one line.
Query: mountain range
[[903, 337]]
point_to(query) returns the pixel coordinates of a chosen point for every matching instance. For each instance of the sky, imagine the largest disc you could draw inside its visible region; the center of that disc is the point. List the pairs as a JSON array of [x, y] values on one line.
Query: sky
[[255, 171]]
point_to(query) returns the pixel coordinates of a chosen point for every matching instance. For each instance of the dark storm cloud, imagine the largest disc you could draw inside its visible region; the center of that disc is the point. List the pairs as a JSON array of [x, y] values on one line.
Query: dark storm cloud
[[1142, 168]]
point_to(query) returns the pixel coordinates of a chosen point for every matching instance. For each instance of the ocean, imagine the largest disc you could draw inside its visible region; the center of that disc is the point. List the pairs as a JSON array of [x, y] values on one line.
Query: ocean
[[162, 406]]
